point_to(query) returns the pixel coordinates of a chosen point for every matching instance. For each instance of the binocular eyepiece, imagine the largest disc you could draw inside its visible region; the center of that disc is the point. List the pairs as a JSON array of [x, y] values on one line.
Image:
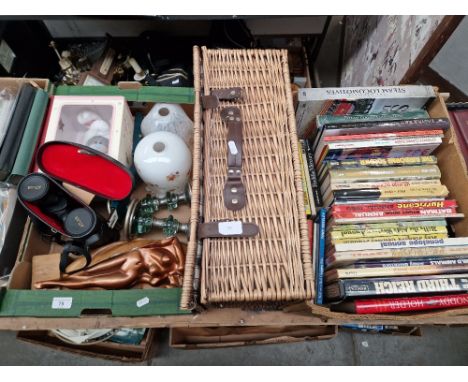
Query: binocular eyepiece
[[54, 202]]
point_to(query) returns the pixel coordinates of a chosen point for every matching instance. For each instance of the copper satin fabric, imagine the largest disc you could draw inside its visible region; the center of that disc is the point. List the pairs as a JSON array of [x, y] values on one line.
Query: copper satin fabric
[[159, 264]]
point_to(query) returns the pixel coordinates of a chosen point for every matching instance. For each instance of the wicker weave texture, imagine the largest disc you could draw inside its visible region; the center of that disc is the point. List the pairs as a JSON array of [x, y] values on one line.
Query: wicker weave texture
[[276, 264]]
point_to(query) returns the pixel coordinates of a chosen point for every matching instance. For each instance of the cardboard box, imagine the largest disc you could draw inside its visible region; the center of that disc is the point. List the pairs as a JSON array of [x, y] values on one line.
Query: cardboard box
[[455, 177], [221, 337], [104, 350], [20, 300]]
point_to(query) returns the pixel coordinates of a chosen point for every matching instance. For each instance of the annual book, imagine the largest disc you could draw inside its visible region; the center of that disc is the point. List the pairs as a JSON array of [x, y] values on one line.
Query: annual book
[[393, 286]]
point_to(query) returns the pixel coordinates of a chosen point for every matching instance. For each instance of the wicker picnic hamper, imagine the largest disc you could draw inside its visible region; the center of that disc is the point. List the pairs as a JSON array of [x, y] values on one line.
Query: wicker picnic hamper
[[275, 265]]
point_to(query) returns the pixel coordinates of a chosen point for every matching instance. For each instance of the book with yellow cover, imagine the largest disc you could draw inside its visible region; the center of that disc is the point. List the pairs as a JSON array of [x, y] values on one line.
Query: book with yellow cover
[[384, 232]]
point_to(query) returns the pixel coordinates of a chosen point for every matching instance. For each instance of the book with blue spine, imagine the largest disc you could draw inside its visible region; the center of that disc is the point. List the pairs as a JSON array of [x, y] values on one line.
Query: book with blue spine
[[320, 269]]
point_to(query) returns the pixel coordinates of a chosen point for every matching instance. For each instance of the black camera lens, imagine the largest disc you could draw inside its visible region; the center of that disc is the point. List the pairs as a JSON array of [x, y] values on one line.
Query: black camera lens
[[79, 222], [34, 187]]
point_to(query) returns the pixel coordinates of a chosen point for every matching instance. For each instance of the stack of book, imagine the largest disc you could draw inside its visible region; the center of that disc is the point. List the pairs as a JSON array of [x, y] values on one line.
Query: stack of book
[[382, 227]]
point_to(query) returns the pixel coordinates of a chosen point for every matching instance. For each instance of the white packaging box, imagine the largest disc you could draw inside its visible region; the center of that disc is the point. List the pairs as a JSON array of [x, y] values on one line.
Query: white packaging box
[[63, 123]]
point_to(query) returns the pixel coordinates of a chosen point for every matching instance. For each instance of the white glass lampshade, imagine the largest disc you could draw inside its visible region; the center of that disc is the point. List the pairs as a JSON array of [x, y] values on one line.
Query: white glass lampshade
[[163, 161]]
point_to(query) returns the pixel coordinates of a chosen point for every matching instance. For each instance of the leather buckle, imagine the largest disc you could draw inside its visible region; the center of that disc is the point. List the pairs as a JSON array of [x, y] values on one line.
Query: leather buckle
[[227, 229], [212, 101]]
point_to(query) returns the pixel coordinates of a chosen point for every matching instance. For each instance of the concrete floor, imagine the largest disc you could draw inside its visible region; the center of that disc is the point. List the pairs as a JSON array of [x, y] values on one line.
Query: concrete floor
[[437, 346]]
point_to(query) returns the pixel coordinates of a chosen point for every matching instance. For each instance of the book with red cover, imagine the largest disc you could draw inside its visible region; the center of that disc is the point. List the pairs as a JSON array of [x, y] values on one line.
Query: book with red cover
[[459, 117], [403, 304], [396, 134], [394, 208]]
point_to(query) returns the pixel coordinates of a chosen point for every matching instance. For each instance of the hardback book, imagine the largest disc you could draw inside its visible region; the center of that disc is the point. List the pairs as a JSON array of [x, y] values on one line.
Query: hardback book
[[413, 267], [380, 162], [445, 213], [402, 304], [310, 192], [401, 209], [375, 137], [378, 148], [386, 232], [322, 120], [305, 187], [313, 174], [363, 174], [328, 131], [320, 266], [385, 193], [394, 286], [378, 184], [358, 100], [340, 259], [428, 236], [398, 224], [376, 245]]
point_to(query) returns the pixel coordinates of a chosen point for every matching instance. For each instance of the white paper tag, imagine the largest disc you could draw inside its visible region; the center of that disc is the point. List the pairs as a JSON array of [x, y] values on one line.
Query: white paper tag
[[62, 302], [113, 219], [230, 228], [142, 302], [232, 147]]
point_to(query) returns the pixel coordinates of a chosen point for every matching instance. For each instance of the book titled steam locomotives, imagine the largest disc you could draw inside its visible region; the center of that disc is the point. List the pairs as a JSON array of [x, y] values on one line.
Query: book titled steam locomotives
[[358, 100], [394, 286]]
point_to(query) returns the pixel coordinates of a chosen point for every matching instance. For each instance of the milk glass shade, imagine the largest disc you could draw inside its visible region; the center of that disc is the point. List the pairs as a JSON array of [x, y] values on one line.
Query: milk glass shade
[[163, 161]]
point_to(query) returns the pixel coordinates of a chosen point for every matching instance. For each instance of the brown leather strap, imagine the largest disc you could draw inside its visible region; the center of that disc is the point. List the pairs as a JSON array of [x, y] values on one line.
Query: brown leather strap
[[212, 101], [234, 191], [227, 229]]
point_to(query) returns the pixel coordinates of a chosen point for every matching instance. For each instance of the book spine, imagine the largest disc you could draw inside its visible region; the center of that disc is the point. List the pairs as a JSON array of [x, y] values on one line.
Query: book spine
[[313, 175], [378, 152], [307, 208], [342, 258], [403, 93], [383, 162], [344, 273], [430, 261], [382, 232], [407, 141], [379, 219], [313, 206], [401, 224], [343, 185], [390, 193], [349, 118], [458, 241], [394, 135], [416, 124], [392, 207], [390, 238], [418, 172], [321, 257], [408, 304]]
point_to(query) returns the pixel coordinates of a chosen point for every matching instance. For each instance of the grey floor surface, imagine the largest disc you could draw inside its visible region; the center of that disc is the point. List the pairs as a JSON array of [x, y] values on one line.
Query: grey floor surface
[[437, 346]]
